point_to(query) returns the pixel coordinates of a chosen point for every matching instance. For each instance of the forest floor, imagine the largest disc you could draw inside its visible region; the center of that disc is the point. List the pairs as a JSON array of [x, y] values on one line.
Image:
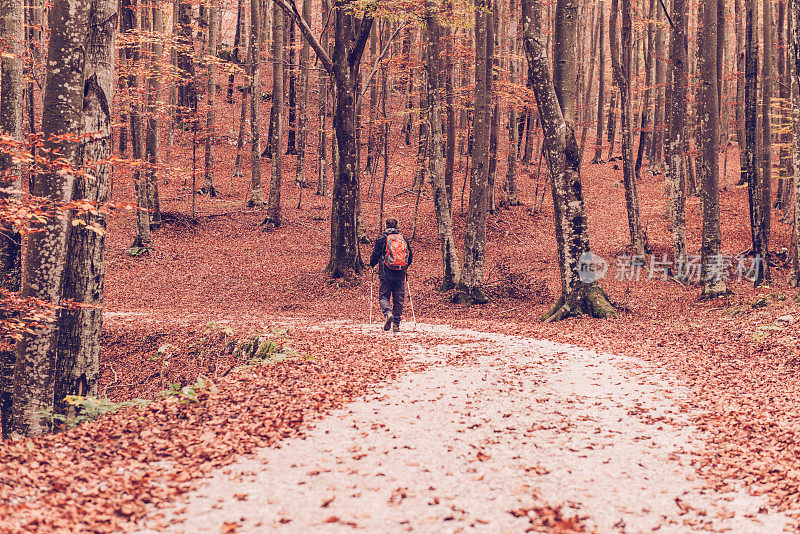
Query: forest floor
[[726, 367]]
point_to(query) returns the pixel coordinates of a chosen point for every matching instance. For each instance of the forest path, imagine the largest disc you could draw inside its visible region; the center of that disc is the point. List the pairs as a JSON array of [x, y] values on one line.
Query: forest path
[[488, 432]]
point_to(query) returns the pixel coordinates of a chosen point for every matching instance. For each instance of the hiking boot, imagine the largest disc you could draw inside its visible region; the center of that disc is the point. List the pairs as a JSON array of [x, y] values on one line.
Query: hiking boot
[[395, 328], [388, 324]]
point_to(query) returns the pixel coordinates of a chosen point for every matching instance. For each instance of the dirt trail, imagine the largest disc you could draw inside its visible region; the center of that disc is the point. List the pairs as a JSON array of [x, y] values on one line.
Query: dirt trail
[[485, 425]]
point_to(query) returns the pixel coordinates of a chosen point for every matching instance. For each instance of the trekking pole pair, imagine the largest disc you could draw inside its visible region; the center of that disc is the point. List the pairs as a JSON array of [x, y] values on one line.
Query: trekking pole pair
[[408, 289]]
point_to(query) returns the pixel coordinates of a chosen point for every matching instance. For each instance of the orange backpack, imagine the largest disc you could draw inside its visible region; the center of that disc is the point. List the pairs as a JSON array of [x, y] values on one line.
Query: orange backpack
[[396, 255]]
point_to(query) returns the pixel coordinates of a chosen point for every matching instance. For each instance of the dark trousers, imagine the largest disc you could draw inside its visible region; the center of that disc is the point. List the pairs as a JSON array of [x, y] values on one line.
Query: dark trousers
[[394, 288]]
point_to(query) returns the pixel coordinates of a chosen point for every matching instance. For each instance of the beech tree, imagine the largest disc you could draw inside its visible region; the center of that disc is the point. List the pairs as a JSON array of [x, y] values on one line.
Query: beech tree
[[211, 93], [469, 285], [577, 296], [78, 343], [712, 276], [621, 65], [351, 33], [276, 121], [441, 200], [11, 108], [45, 257]]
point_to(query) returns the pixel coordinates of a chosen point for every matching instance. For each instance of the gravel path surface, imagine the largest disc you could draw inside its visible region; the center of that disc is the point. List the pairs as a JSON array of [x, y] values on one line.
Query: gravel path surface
[[486, 428]]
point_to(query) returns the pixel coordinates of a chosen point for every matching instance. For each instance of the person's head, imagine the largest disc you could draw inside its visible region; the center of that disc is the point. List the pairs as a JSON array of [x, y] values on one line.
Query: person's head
[[391, 222]]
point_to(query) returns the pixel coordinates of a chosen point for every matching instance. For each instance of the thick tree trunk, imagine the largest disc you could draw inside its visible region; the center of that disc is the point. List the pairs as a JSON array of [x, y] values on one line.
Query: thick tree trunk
[[78, 352], [12, 102], [276, 132], [256, 196], [580, 292], [475, 235], [211, 95], [621, 64], [45, 257], [713, 276]]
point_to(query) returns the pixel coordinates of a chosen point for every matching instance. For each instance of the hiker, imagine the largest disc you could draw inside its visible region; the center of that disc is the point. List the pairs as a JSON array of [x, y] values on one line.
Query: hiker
[[392, 254]]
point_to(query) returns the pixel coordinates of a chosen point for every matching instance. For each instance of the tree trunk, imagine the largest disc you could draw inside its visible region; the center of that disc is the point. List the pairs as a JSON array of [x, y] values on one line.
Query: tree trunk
[[712, 274], [795, 61], [211, 94], [621, 65], [153, 133], [447, 245], [78, 352], [322, 145], [187, 90], [741, 50], [276, 132], [580, 292], [450, 112], [598, 148], [143, 240], [45, 257], [766, 114], [302, 105], [645, 135], [246, 89], [676, 97], [475, 234], [12, 102], [587, 98], [510, 193], [612, 120], [291, 145], [660, 126], [256, 197], [753, 178]]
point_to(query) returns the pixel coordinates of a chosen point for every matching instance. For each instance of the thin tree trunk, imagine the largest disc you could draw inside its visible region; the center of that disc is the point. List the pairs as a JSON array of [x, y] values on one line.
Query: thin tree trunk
[[741, 50], [795, 65], [246, 89], [587, 98], [598, 148], [322, 144], [660, 126], [256, 196], [12, 102], [276, 134], [153, 134], [753, 179], [450, 112], [621, 64], [62, 124], [211, 94], [766, 114], [187, 89], [645, 135], [510, 193]]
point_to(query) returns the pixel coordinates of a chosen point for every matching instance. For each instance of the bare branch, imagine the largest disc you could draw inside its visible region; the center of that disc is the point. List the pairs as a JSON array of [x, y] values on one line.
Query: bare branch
[[378, 63], [291, 9]]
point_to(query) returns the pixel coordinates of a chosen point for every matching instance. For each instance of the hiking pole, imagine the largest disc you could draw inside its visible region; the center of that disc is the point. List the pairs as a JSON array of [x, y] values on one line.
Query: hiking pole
[[371, 287], [411, 301]]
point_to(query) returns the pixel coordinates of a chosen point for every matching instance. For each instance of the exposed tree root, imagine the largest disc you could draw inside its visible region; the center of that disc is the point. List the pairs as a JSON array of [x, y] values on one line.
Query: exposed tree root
[[469, 295], [587, 299]]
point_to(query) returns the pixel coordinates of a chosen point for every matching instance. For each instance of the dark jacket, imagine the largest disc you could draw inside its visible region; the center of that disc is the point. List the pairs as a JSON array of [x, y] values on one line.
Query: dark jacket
[[379, 251]]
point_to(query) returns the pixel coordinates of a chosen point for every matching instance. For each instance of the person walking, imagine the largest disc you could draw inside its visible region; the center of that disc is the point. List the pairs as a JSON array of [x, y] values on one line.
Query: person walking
[[392, 254]]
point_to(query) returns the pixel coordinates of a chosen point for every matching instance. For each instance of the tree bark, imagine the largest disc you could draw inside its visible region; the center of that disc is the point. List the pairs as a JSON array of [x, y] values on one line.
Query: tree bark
[[475, 235], [256, 197], [753, 178], [62, 124], [187, 90], [621, 65], [12, 102], [78, 348], [211, 94], [675, 142], [323, 187], [153, 131], [276, 132], [713, 279], [302, 104], [795, 61], [598, 147], [447, 245], [579, 293]]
